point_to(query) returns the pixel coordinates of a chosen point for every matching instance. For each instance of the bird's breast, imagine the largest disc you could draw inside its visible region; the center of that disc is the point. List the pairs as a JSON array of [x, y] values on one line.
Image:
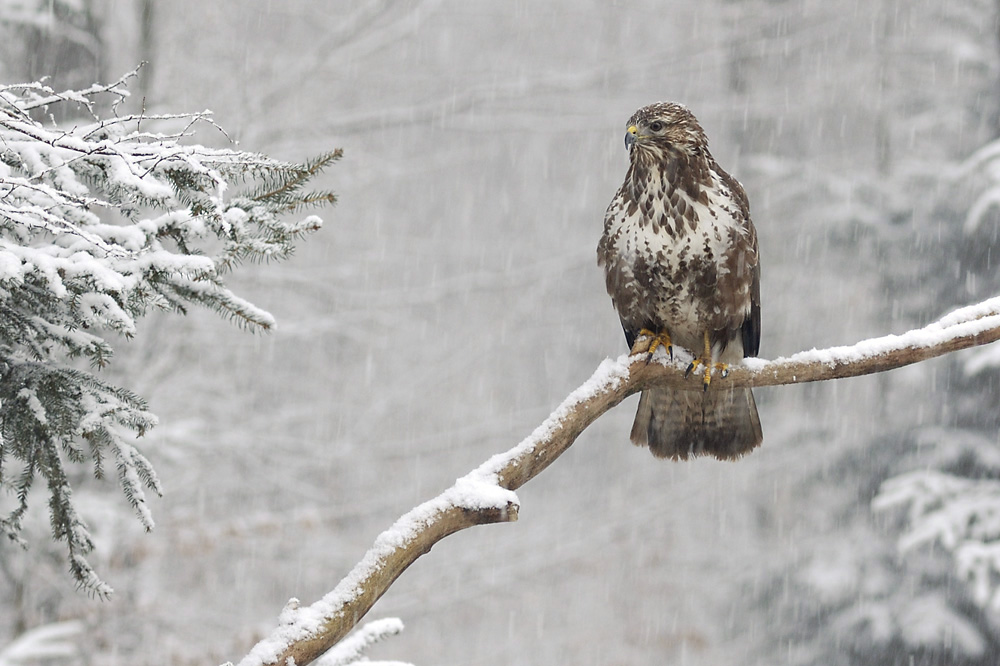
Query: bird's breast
[[666, 251]]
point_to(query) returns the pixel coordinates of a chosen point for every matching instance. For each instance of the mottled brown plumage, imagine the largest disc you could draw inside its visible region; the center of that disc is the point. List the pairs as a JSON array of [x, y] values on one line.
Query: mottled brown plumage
[[680, 259]]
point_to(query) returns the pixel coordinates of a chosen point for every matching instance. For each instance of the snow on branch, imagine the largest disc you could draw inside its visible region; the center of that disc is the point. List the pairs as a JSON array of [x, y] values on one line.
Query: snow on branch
[[305, 633], [985, 162], [100, 222], [351, 650], [486, 495], [959, 514], [58, 641]]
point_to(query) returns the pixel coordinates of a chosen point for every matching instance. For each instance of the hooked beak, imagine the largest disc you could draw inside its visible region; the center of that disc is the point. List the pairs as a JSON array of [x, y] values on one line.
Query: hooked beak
[[630, 136]]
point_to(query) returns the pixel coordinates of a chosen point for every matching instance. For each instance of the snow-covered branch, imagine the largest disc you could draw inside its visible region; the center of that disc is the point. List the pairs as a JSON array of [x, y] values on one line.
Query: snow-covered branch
[[351, 650], [486, 495], [45, 644], [961, 515]]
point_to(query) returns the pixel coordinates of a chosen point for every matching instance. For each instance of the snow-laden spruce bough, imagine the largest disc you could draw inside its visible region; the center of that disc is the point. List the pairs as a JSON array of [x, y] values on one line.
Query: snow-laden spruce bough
[[103, 219]]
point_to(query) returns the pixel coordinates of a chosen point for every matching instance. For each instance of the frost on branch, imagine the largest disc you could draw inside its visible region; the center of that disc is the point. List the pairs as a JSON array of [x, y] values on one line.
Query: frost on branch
[[101, 222]]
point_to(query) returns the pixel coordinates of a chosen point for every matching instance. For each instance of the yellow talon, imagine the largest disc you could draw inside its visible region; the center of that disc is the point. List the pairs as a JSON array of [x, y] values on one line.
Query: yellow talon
[[706, 361], [653, 342]]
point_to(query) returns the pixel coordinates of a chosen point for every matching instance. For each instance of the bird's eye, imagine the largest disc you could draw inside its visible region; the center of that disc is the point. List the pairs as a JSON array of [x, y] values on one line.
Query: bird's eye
[[656, 126]]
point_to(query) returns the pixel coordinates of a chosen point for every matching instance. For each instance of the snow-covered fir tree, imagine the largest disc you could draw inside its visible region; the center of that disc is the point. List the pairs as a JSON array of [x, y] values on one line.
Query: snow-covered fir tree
[[103, 220]]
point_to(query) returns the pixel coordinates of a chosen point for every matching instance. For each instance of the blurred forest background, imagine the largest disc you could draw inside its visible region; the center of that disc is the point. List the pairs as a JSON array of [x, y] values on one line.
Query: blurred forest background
[[452, 300]]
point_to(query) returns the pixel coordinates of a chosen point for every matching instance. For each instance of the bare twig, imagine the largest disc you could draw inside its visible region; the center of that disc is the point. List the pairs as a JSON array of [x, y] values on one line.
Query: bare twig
[[485, 495]]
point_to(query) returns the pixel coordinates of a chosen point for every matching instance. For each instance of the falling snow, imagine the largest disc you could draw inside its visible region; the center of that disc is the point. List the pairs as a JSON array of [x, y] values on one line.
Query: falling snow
[[451, 304]]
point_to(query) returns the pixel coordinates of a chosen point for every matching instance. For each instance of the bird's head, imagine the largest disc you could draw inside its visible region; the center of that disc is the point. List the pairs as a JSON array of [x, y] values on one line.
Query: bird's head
[[658, 130]]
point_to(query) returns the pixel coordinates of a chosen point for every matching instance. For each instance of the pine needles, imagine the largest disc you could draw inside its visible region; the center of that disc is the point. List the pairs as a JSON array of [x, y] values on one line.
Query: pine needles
[[101, 223]]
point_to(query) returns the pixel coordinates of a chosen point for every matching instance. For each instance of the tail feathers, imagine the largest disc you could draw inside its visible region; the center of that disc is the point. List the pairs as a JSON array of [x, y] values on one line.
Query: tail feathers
[[679, 424]]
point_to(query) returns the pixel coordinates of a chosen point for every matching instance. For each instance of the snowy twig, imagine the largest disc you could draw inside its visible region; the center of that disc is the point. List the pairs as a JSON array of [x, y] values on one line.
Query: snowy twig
[[46, 643], [352, 649], [486, 494], [83, 97], [959, 514]]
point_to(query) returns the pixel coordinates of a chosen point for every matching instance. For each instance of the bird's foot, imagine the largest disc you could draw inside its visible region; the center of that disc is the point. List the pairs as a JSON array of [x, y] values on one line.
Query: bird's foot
[[648, 342], [707, 368], [705, 361]]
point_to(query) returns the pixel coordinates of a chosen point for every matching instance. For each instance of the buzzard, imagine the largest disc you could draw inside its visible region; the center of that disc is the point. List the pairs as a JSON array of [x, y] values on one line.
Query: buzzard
[[680, 259]]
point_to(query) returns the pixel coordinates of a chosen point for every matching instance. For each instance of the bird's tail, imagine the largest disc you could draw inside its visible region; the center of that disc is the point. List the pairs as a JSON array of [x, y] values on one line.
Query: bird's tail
[[678, 424]]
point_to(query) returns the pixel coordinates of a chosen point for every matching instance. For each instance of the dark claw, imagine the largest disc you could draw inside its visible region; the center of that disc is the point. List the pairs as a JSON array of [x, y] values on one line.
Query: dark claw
[[689, 369]]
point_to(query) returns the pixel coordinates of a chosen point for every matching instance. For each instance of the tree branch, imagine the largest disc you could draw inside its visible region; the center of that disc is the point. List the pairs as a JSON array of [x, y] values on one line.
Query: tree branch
[[486, 494]]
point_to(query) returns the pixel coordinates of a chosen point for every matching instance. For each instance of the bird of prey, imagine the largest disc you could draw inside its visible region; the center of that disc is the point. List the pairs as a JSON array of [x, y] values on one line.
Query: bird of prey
[[681, 263]]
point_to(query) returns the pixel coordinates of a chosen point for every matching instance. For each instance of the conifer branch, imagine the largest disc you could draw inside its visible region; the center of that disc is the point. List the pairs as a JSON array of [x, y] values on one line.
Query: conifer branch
[[294, 180], [308, 632], [69, 278]]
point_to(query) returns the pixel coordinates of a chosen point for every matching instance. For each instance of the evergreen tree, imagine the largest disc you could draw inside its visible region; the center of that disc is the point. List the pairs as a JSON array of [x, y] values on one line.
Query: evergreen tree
[[100, 223]]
